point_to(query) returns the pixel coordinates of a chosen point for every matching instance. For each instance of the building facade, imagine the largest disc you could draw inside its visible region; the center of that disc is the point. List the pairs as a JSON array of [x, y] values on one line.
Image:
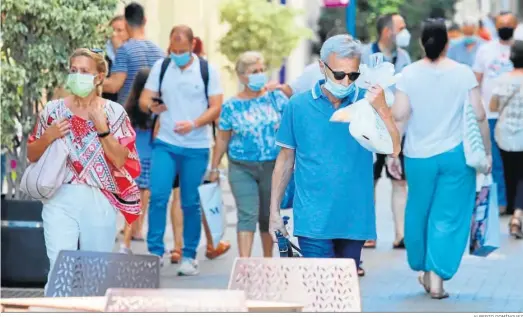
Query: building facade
[[203, 16]]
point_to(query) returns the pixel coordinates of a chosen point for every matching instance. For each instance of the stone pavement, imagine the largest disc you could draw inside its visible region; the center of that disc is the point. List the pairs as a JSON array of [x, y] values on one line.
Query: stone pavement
[[493, 284]]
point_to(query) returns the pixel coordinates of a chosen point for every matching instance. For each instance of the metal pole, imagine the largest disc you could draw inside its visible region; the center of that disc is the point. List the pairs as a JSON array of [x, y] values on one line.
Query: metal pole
[[351, 17], [282, 69]]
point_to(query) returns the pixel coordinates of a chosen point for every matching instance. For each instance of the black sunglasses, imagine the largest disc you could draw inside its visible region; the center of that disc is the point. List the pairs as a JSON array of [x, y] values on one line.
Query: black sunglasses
[[338, 75]]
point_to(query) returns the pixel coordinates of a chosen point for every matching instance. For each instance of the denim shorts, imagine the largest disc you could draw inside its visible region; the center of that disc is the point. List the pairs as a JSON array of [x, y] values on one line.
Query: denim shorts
[[251, 187]]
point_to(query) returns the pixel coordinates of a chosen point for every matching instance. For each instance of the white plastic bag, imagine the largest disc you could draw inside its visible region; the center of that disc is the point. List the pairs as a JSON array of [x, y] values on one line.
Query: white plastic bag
[[366, 125], [212, 205]]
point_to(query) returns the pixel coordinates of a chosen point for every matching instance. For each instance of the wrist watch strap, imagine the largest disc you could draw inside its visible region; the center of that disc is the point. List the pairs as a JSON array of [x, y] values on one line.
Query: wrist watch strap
[[104, 134]]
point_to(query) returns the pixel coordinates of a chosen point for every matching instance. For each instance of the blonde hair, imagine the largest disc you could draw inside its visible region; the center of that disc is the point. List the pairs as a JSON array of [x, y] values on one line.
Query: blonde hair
[[247, 59], [98, 58]]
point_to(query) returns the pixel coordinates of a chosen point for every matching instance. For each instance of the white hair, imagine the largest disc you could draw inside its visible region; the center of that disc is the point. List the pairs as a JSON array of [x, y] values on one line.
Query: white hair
[[342, 45], [247, 59]]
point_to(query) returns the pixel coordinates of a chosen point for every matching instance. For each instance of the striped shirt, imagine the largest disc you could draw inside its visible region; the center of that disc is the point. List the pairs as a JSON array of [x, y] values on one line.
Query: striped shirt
[[130, 58]]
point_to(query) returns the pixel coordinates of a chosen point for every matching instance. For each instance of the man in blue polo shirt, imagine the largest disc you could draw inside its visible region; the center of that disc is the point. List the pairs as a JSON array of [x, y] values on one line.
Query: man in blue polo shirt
[[183, 141], [334, 204]]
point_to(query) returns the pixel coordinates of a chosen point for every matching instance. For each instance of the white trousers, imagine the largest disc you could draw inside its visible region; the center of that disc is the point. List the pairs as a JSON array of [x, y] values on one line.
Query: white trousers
[[78, 213]]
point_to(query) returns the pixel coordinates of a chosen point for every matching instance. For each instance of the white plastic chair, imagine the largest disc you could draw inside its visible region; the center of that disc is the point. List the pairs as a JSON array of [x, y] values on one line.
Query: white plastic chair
[[321, 285]]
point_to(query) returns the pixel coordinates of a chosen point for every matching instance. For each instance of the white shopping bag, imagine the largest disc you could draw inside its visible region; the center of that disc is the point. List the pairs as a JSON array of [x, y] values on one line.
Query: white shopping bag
[[212, 205], [366, 125]]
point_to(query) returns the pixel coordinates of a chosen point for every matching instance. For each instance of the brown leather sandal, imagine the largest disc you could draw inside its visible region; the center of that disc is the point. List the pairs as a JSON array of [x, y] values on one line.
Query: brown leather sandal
[[222, 248], [176, 256]]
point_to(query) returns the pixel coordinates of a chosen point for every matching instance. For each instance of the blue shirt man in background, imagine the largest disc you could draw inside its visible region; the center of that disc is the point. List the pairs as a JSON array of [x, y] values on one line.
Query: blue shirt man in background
[[393, 37], [334, 200], [463, 50]]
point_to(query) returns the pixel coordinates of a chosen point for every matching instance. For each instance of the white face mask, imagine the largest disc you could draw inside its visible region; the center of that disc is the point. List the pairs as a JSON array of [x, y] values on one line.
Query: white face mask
[[403, 38]]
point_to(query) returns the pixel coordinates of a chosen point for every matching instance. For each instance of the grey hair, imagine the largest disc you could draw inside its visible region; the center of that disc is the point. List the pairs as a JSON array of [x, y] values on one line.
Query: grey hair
[[342, 45], [247, 59], [470, 21]]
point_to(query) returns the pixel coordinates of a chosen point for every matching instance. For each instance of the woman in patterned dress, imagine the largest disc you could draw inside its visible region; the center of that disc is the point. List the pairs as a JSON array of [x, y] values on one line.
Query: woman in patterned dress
[[101, 165], [247, 130]]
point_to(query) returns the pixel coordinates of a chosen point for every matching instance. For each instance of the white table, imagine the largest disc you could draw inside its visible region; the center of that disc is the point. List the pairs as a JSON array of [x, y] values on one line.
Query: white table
[[97, 304]]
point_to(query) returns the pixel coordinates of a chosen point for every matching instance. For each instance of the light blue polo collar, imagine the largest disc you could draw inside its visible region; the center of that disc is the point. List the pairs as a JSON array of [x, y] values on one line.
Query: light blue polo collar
[[316, 91]]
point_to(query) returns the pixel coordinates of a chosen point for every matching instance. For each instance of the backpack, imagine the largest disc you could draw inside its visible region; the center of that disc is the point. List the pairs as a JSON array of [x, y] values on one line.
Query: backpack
[[204, 72]]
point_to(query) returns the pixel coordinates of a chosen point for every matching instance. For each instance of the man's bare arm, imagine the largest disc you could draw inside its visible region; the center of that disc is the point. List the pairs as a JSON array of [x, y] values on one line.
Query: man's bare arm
[[280, 179]]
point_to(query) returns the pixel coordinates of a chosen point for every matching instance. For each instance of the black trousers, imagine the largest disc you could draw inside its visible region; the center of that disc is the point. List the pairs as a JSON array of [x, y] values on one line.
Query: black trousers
[[513, 169]]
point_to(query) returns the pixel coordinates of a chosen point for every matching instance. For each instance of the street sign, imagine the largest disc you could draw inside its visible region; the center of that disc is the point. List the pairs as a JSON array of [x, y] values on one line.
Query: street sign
[[336, 3]]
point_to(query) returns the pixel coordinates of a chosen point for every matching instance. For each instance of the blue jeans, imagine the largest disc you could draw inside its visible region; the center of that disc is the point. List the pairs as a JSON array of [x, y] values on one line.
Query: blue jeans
[[497, 166], [167, 161], [331, 248]]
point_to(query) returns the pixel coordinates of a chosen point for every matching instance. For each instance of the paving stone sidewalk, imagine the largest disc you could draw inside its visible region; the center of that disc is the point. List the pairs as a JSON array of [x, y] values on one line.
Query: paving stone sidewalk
[[492, 284]]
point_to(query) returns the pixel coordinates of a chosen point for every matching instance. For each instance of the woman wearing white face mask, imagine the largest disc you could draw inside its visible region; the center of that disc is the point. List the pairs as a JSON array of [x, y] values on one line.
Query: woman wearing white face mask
[[101, 164], [247, 129]]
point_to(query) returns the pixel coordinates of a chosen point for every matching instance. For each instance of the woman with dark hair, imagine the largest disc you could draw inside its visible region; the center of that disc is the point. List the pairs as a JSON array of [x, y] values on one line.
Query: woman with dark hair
[[142, 124], [430, 99], [507, 99]]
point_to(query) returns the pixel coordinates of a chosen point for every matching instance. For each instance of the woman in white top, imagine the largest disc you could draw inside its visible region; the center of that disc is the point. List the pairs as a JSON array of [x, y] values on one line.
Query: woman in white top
[[508, 101], [429, 104]]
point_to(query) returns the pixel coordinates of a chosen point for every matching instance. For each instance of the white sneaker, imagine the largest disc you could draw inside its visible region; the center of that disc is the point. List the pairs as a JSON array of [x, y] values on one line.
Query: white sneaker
[[125, 250], [189, 267]]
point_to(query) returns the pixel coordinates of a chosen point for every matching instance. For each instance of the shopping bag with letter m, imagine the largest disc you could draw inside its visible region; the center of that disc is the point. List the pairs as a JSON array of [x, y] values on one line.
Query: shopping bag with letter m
[[484, 229], [212, 205]]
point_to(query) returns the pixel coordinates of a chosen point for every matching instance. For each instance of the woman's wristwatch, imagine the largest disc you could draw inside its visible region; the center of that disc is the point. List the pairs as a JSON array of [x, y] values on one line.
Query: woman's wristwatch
[[214, 170]]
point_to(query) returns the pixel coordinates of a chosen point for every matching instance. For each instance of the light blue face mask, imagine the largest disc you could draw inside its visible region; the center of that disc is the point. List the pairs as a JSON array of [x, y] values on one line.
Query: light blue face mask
[[181, 59], [469, 40], [338, 90], [257, 81]]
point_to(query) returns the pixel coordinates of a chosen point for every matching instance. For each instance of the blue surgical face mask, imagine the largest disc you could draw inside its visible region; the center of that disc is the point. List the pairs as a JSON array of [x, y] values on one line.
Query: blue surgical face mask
[[468, 40], [338, 90], [181, 59], [257, 81]]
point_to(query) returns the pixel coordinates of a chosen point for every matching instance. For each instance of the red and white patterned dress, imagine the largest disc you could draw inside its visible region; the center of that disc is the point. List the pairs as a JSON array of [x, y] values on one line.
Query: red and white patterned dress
[[87, 163]]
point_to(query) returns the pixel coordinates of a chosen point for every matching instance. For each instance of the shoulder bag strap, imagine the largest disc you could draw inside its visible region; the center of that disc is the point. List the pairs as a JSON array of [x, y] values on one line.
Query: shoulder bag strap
[[204, 72], [507, 102], [165, 64]]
